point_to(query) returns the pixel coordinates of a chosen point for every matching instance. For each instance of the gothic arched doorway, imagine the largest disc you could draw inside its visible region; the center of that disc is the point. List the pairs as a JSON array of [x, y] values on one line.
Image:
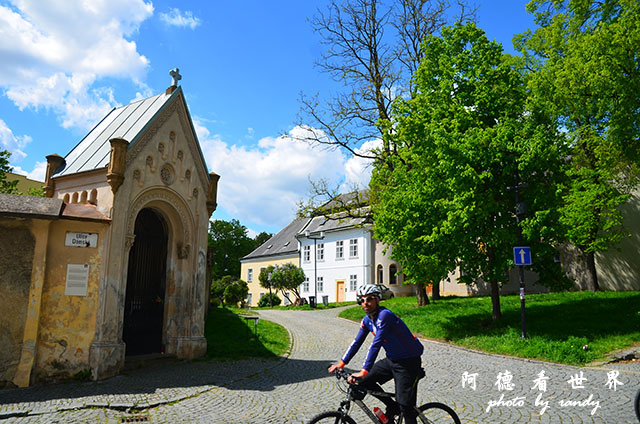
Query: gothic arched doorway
[[146, 281]]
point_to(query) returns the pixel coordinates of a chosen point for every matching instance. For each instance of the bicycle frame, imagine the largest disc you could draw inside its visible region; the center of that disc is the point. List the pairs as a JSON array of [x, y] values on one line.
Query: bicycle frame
[[345, 405]]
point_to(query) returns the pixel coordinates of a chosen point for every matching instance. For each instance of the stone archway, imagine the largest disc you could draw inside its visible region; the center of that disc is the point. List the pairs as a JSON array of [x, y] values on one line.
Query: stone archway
[[146, 285]]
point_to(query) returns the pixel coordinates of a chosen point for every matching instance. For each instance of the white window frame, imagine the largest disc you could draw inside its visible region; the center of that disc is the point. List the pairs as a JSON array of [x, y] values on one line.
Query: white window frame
[[320, 283], [249, 275], [353, 282], [353, 248], [320, 252], [340, 249], [305, 285], [306, 253]]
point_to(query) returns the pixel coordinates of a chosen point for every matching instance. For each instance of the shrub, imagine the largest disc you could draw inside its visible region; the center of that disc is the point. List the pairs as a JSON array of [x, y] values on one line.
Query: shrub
[[264, 300]]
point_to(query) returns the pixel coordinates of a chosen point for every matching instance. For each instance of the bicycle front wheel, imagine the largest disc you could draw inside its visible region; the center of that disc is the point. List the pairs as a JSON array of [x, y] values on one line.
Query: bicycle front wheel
[[331, 417], [438, 413]]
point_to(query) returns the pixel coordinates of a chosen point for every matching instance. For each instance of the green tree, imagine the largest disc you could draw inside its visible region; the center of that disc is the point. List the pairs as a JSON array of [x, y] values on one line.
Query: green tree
[[460, 142], [9, 187], [373, 50], [288, 277], [586, 73], [230, 242], [229, 290], [261, 238], [265, 280]]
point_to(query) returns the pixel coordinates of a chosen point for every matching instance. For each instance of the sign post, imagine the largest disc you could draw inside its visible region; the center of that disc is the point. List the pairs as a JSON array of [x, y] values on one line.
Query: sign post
[[522, 254]]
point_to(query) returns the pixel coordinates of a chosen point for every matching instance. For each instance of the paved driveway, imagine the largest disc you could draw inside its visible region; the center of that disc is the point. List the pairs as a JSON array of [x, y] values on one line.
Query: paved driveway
[[292, 390]]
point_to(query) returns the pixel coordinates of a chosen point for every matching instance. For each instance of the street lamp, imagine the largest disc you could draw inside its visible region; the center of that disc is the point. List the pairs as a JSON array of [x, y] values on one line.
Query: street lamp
[[315, 237]]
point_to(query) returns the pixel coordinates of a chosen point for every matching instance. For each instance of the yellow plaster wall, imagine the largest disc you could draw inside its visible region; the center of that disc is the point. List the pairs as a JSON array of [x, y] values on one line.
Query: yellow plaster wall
[[68, 323], [254, 286], [16, 256]]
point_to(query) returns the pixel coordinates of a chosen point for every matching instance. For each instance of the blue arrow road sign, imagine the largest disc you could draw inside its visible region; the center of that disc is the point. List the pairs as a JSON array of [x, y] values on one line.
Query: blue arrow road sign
[[522, 255]]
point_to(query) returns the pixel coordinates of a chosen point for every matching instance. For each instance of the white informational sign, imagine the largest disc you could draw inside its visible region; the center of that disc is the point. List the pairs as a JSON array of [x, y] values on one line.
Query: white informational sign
[[81, 239], [77, 280]]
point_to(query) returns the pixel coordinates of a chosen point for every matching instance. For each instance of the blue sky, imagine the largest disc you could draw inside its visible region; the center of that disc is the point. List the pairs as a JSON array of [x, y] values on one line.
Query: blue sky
[[64, 64]]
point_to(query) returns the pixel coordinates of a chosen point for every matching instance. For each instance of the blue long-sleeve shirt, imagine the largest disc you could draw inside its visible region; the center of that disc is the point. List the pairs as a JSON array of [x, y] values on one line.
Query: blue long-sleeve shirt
[[389, 332]]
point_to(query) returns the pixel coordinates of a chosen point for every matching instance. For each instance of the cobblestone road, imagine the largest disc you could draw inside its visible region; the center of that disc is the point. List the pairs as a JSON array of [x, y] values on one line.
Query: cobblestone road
[[292, 390]]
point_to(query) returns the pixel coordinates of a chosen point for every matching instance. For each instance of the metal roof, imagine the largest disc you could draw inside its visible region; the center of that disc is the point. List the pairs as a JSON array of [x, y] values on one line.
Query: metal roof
[[125, 122], [284, 242]]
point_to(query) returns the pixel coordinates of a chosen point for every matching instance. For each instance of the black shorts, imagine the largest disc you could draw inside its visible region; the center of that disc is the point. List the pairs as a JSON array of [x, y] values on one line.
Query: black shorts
[[403, 371]]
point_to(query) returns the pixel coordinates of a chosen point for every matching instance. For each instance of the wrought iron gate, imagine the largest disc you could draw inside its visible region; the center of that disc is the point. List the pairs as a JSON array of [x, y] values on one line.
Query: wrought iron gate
[[146, 281]]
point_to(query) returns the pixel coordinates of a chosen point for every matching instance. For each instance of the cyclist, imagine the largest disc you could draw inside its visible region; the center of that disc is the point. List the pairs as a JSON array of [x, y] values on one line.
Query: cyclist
[[403, 349]]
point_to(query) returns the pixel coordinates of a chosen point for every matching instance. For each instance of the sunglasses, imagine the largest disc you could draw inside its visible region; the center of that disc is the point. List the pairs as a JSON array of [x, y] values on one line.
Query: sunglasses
[[367, 299]]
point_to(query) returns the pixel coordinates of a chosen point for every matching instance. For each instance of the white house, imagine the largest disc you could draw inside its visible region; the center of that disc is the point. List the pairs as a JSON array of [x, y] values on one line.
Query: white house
[[336, 256]]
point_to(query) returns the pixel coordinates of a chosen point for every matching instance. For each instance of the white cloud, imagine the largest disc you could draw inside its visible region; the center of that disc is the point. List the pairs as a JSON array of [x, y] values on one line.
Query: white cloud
[[177, 18], [54, 52], [14, 144], [263, 184], [38, 174], [358, 169]]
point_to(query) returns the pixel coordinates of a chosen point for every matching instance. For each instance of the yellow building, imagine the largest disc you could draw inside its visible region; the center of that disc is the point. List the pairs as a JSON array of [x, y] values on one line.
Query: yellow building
[[24, 183], [280, 249]]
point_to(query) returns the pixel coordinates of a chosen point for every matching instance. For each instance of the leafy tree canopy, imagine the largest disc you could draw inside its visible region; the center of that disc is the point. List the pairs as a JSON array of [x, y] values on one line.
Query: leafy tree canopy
[[460, 143], [587, 75], [229, 290], [288, 278], [230, 242], [8, 187]]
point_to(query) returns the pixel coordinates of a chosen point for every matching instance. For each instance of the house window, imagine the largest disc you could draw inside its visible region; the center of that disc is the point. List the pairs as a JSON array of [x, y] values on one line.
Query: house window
[[250, 275], [306, 253], [305, 285], [320, 251], [353, 282], [393, 279], [353, 248], [340, 249], [320, 284], [249, 298], [380, 274]]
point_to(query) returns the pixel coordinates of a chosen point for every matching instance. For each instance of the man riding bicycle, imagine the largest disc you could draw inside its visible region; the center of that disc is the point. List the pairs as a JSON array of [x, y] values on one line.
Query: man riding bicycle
[[403, 349]]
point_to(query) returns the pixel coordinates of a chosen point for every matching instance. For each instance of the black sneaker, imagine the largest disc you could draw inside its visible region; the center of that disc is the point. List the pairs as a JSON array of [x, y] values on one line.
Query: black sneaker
[[392, 414]]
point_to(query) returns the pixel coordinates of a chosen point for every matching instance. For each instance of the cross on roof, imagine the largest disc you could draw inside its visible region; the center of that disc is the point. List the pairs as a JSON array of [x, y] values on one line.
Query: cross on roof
[[175, 74]]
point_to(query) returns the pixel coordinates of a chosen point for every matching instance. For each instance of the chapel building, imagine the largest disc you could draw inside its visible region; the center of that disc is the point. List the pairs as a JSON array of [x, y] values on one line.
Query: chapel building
[[113, 262]]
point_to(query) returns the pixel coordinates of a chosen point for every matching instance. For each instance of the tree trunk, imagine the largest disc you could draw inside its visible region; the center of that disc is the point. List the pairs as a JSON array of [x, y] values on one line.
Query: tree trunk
[[435, 293], [421, 294], [591, 276], [495, 301]]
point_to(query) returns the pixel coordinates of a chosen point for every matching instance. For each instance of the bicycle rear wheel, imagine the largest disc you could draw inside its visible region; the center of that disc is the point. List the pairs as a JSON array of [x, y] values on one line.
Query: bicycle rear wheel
[[438, 413], [331, 417]]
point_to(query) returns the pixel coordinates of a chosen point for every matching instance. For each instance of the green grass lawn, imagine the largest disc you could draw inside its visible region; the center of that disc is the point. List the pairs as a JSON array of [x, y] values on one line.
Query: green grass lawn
[[558, 324], [229, 336]]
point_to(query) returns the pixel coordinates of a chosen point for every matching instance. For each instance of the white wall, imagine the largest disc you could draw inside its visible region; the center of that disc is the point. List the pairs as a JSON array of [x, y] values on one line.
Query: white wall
[[332, 269]]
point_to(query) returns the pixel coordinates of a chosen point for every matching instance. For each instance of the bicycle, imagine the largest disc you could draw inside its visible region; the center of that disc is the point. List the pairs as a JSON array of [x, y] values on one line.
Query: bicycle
[[429, 413], [636, 405]]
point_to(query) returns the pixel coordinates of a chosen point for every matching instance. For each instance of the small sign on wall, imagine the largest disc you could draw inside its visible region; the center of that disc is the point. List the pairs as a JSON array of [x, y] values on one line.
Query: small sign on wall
[[81, 239], [77, 280]]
